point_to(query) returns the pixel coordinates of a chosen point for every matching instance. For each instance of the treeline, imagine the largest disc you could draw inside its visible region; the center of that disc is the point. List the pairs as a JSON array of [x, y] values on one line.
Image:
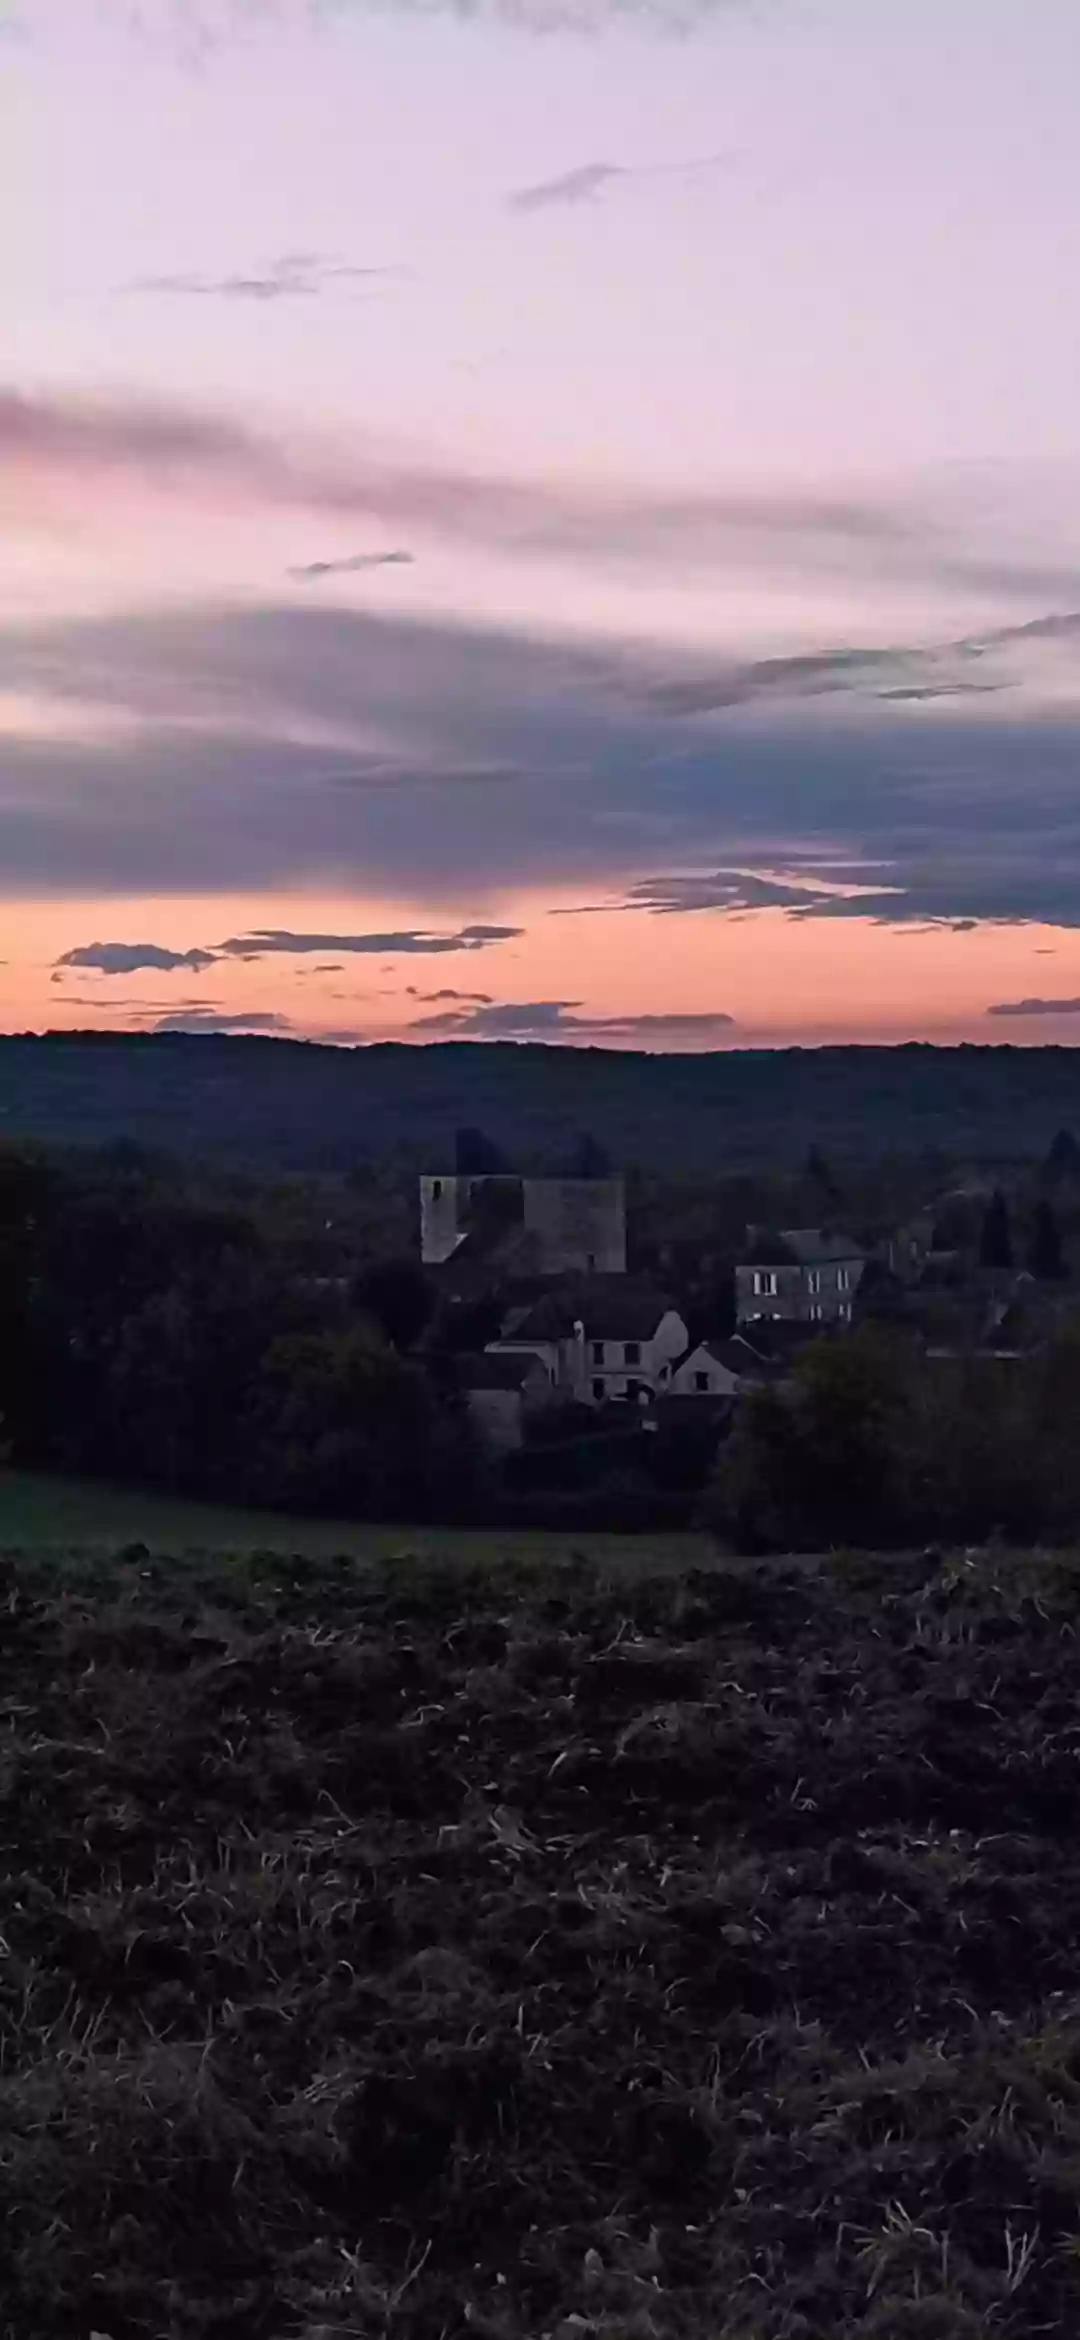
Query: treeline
[[226, 1344], [305, 1108], [876, 1441], [269, 1344]]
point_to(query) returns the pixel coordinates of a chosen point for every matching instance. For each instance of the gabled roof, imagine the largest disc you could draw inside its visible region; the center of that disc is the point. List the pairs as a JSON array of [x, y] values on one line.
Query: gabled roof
[[773, 1340], [735, 1355], [610, 1308]]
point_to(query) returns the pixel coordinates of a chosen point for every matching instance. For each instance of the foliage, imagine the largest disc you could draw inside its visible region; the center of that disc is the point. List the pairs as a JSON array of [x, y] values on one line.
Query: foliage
[[995, 1243], [873, 1441], [398, 1294], [1063, 1158], [1045, 1257], [541, 1956], [156, 1328], [297, 1106]]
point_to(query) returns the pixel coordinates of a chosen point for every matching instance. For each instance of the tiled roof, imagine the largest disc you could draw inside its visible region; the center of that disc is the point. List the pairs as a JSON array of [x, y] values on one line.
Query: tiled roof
[[609, 1308]]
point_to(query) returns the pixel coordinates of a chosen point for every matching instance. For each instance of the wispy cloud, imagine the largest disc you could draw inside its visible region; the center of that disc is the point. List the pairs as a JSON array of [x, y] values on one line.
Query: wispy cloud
[[880, 896], [588, 181], [170, 449], [119, 958], [127, 958], [222, 1020], [266, 942], [353, 565], [196, 28], [892, 672], [547, 1019], [294, 276], [944, 819], [1036, 1007], [469, 998], [579, 186]]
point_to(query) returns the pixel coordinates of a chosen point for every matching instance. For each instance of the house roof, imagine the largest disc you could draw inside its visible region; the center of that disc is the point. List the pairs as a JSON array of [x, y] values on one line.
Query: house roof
[[611, 1309], [724, 1353], [773, 1340], [496, 1370], [736, 1355], [798, 1247]]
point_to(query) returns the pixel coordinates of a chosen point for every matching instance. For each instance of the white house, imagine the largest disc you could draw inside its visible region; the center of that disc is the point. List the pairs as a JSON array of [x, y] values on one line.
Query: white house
[[601, 1343], [717, 1369]]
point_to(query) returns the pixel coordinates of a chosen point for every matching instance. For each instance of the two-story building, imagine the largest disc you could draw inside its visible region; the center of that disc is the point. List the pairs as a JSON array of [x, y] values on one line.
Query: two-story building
[[802, 1275], [607, 1340]]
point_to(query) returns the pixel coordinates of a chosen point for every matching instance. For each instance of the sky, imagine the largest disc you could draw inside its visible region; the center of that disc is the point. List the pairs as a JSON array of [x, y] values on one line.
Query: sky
[[541, 519]]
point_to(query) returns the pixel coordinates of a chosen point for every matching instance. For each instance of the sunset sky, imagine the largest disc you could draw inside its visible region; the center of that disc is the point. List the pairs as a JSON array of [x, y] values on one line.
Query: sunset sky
[[537, 518]]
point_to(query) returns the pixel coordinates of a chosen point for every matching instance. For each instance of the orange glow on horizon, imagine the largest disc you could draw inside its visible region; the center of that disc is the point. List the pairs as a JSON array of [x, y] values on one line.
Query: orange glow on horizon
[[785, 981]]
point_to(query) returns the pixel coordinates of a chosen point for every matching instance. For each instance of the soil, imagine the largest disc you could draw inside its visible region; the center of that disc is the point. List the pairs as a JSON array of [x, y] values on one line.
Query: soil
[[537, 1957]]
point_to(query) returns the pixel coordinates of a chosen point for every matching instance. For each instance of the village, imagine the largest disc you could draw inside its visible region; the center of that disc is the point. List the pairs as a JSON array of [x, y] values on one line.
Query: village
[[580, 1339]]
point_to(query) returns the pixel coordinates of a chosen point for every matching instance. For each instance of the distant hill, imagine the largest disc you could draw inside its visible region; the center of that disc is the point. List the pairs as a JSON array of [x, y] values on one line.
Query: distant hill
[[297, 1106]]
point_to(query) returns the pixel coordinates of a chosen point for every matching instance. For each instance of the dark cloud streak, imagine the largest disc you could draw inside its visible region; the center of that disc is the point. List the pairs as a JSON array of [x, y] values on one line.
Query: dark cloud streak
[[589, 180], [169, 449], [207, 788], [1036, 1007], [353, 565], [547, 1019], [295, 276], [128, 958]]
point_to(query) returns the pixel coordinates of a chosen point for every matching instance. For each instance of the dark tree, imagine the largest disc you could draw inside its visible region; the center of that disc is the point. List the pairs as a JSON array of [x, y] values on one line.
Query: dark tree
[[1063, 1159], [589, 1159], [475, 1155], [818, 1175], [1044, 1254], [995, 1242], [397, 1293]]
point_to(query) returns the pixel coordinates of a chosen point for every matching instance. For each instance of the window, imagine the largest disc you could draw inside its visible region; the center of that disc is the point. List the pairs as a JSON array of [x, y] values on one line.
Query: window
[[436, 1191], [598, 1391], [843, 1280], [701, 1381], [813, 1280], [816, 1313], [598, 1352], [764, 1284], [845, 1310], [631, 1352]]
